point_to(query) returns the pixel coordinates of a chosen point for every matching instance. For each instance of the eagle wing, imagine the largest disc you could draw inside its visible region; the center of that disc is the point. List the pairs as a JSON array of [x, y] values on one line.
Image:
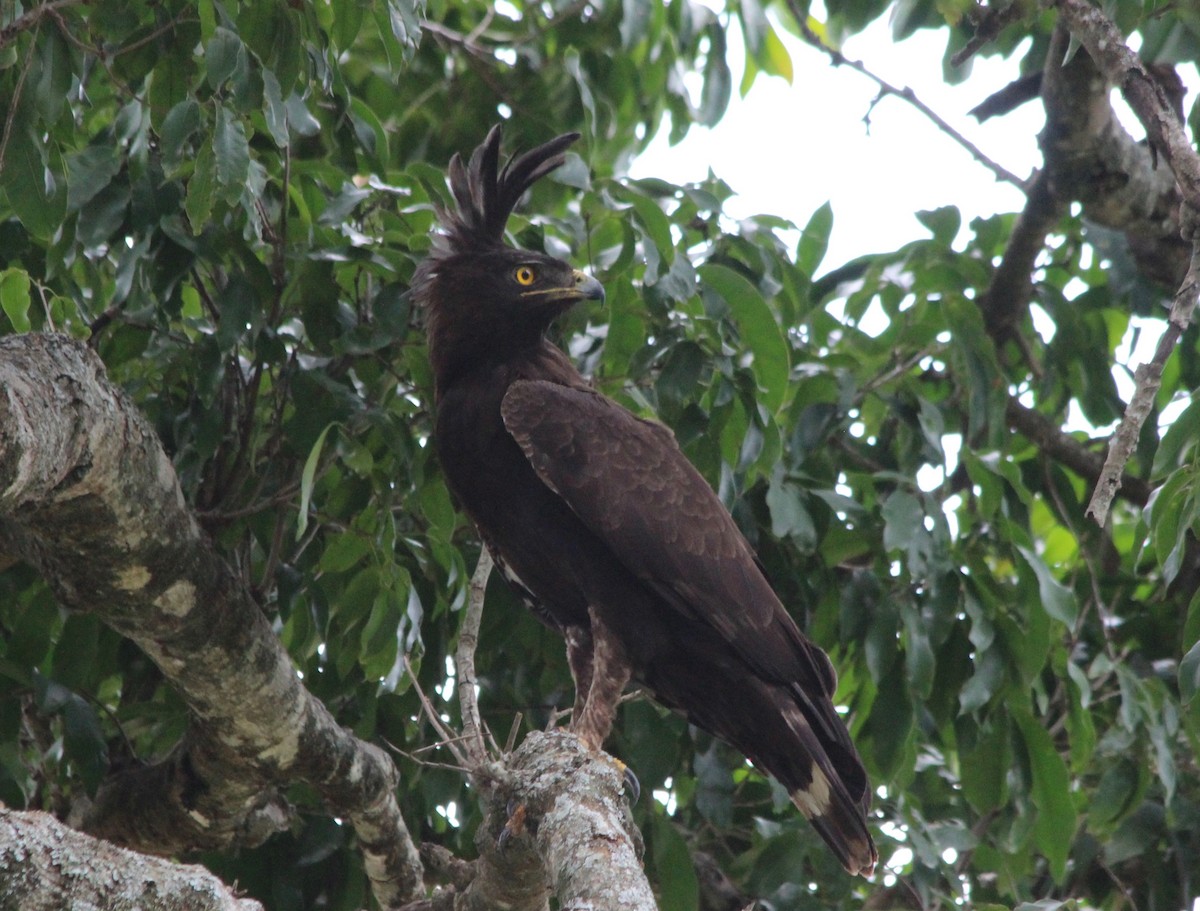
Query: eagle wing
[[628, 481]]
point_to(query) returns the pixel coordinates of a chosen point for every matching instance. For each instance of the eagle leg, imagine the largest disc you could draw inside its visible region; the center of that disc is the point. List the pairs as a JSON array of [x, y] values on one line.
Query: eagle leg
[[579, 658], [610, 670]]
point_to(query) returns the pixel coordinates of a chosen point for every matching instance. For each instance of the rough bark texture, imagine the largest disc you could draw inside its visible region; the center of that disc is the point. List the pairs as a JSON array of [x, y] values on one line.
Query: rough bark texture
[[89, 498], [46, 866], [555, 826], [1118, 181], [1167, 140], [583, 830]]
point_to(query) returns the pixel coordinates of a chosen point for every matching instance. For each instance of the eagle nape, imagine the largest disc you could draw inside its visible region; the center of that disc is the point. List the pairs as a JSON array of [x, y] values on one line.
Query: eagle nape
[[602, 527]]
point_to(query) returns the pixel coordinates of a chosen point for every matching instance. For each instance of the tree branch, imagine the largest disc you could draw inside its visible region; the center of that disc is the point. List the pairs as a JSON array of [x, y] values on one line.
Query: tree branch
[[1146, 97], [1008, 295], [1050, 439], [464, 661], [89, 498], [45, 865]]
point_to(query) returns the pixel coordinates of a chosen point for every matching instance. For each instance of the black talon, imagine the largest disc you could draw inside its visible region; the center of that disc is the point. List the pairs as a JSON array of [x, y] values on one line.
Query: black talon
[[633, 787]]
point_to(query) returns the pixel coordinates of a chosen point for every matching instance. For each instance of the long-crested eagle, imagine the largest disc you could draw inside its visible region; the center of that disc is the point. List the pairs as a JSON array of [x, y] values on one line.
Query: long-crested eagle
[[603, 527]]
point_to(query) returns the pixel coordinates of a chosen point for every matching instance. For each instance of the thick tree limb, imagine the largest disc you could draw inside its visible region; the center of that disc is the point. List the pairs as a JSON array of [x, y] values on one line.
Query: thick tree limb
[[1007, 297], [1166, 135], [89, 498], [558, 811], [46, 866], [1090, 157]]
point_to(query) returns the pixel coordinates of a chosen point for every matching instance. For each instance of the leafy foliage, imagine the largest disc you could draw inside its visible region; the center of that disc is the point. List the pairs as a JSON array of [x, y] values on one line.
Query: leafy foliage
[[229, 200]]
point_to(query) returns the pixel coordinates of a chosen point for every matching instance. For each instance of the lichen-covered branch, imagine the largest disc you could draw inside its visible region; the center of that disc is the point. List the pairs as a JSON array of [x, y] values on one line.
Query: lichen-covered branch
[[581, 824], [1147, 381], [1164, 130], [1090, 158], [1068, 451], [46, 866], [89, 498]]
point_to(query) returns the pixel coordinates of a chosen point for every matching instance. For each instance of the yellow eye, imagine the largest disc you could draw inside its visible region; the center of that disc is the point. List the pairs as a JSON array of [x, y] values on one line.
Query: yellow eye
[[525, 275]]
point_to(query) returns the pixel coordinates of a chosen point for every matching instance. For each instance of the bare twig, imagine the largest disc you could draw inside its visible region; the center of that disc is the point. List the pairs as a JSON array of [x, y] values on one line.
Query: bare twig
[[464, 660], [905, 94], [1148, 379], [448, 736]]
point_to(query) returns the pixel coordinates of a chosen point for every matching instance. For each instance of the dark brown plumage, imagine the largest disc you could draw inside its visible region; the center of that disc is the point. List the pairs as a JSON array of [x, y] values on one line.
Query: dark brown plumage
[[603, 527]]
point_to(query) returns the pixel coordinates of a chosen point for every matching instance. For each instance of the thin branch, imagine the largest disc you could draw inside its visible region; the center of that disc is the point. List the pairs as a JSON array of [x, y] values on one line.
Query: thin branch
[[988, 23], [33, 19], [448, 737], [464, 660], [905, 94], [1063, 448], [1148, 380]]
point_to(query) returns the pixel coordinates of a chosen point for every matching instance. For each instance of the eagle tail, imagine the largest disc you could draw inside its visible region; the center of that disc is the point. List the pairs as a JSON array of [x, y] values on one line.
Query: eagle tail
[[832, 792], [839, 822]]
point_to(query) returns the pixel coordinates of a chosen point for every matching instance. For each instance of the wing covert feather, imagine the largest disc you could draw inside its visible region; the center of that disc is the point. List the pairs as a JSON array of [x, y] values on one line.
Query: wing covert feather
[[628, 481]]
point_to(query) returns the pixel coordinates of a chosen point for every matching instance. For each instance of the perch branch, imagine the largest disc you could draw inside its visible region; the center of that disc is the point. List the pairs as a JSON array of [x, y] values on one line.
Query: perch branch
[[464, 660]]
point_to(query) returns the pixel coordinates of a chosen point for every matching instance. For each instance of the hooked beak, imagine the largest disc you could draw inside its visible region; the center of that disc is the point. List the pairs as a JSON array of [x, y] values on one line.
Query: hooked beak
[[587, 288]]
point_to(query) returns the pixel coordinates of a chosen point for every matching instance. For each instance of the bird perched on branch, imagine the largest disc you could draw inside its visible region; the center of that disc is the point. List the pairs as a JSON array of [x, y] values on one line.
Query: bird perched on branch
[[603, 527]]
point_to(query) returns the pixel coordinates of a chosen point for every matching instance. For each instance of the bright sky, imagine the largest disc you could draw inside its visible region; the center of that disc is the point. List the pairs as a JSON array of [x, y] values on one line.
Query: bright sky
[[788, 149]]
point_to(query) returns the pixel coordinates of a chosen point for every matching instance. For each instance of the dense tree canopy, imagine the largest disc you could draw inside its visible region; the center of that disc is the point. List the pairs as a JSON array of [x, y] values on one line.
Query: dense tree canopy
[[227, 201]]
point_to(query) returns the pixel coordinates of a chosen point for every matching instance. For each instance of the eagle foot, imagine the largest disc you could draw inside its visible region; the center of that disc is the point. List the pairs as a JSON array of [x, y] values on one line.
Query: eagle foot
[[514, 825]]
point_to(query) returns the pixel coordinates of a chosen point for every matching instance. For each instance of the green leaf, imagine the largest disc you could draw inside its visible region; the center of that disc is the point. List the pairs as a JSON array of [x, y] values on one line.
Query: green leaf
[[50, 76], [1054, 829], [89, 172], [84, 743], [789, 517], [1189, 674], [984, 683], [759, 330], [718, 80], [984, 770], [275, 110], [178, 127], [201, 188], [15, 298], [904, 520], [232, 154], [1058, 600], [814, 240], [919, 661], [36, 194], [678, 887], [222, 54], [307, 476]]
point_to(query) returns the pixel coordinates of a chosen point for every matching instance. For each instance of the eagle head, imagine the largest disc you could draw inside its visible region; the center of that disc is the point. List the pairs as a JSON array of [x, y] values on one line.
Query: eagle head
[[485, 300]]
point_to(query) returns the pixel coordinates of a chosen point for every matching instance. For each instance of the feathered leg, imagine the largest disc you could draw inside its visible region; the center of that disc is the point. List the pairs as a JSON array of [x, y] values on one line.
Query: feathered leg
[[610, 671]]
